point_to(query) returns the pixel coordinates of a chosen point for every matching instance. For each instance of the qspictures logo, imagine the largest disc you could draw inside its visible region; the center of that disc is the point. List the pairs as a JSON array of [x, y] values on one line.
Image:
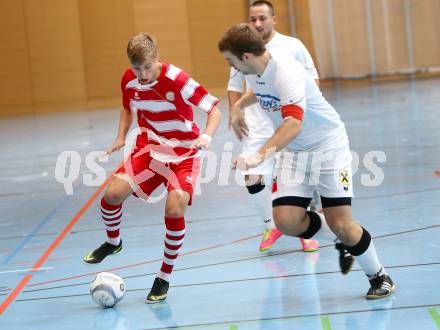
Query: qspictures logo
[[215, 167]]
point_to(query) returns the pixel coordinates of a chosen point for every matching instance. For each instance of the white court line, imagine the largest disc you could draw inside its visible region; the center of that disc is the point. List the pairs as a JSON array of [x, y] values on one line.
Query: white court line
[[25, 270]]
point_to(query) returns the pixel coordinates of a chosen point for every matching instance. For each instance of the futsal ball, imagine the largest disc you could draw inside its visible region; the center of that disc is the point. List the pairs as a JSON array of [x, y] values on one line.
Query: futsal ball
[[107, 289]]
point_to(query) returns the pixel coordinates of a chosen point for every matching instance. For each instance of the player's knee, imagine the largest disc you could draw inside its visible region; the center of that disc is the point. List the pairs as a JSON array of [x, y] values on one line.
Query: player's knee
[[113, 197], [117, 191], [253, 179], [282, 225], [174, 211], [286, 222], [176, 204], [341, 226], [255, 188]]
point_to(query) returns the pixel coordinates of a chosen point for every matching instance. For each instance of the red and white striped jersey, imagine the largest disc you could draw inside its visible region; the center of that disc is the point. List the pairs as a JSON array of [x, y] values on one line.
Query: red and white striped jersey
[[164, 112]]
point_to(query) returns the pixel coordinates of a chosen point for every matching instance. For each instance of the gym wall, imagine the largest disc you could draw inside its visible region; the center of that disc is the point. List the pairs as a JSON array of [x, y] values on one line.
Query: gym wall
[[69, 55]]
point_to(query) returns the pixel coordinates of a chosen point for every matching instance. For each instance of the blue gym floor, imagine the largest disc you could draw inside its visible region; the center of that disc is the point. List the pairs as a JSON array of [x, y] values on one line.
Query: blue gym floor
[[221, 280]]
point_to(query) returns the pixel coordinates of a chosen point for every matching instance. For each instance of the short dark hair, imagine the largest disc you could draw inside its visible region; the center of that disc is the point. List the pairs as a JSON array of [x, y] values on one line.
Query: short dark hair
[[262, 3], [242, 38]]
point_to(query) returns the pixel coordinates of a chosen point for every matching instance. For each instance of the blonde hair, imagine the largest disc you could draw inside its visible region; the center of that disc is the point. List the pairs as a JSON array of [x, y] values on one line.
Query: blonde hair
[[141, 47]]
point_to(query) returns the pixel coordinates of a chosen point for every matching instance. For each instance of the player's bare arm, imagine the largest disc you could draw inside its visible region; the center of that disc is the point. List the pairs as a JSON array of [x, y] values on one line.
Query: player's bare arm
[[212, 123], [232, 98], [237, 117], [125, 121], [285, 133]]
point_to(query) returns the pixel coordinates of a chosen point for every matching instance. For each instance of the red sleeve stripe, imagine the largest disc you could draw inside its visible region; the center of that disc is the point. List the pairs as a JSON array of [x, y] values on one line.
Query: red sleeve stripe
[[292, 111], [197, 95], [181, 79]]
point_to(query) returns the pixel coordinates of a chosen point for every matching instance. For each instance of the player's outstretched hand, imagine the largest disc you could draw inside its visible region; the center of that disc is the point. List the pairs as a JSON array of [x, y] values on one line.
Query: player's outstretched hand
[[246, 161], [239, 125], [202, 142], [117, 145]]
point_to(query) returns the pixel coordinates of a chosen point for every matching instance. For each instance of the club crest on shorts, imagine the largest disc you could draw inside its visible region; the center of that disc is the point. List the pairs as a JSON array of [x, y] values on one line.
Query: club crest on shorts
[[170, 96], [344, 179]]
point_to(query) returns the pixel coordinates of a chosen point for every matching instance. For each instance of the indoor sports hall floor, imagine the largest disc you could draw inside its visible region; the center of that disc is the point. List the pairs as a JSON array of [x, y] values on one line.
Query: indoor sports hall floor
[[221, 280]]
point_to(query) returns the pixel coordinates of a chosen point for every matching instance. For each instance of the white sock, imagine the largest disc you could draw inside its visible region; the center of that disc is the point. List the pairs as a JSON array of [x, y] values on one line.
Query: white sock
[[369, 262], [263, 203], [111, 217], [114, 241]]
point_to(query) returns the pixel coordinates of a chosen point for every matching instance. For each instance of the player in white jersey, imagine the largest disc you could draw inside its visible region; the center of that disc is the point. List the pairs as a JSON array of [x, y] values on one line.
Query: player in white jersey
[[306, 125], [258, 179]]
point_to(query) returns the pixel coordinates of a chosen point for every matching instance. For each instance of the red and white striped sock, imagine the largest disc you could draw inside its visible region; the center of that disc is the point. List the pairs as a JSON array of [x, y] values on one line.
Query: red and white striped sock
[[111, 216], [173, 242]]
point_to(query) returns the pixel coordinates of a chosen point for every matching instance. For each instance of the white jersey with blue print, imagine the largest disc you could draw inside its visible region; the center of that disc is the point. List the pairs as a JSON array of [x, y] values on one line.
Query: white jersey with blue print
[[285, 82], [259, 124]]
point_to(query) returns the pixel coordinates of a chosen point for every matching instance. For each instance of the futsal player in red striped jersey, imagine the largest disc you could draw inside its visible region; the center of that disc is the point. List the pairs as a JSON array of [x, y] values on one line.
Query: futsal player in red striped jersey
[[161, 97]]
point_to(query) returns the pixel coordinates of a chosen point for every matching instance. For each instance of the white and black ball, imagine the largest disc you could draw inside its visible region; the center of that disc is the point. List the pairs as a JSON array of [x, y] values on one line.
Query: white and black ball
[[107, 289]]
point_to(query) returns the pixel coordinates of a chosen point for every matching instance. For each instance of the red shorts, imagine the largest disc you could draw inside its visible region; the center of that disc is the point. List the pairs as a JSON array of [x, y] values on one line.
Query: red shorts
[[147, 173]]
